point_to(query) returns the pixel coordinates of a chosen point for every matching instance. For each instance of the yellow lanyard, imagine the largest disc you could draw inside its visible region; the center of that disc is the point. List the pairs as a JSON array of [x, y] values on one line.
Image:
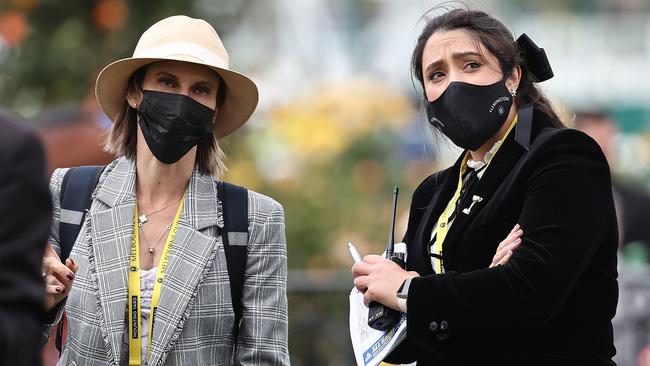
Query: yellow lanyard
[[442, 226], [134, 287]]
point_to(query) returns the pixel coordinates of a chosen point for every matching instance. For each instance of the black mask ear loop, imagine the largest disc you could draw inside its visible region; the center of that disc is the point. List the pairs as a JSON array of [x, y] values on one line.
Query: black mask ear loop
[[535, 57]]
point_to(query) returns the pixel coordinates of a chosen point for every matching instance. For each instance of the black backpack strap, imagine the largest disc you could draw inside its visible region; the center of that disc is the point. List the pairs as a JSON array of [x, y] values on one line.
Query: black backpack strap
[[234, 202], [76, 189]]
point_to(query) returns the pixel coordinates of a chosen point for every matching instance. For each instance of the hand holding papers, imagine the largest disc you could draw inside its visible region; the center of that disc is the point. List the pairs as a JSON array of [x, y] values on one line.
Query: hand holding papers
[[371, 346], [376, 330]]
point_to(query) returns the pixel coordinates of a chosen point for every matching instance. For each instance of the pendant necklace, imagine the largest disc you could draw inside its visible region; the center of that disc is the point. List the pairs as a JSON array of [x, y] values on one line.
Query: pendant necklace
[[150, 248], [143, 218]]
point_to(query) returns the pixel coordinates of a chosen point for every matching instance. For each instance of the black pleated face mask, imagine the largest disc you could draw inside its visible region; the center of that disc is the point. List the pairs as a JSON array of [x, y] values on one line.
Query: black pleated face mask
[[470, 114], [172, 124]]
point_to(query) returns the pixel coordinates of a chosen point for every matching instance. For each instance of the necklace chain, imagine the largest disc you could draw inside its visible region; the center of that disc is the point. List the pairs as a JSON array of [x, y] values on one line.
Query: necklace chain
[[142, 219], [150, 248]]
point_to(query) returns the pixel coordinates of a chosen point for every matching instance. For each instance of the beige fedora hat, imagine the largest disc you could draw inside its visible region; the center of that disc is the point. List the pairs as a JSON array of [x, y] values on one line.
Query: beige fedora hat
[[181, 38]]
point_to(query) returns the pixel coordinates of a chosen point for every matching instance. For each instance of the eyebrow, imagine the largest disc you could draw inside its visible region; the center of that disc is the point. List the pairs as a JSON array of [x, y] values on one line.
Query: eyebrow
[[165, 73], [455, 55], [200, 82]]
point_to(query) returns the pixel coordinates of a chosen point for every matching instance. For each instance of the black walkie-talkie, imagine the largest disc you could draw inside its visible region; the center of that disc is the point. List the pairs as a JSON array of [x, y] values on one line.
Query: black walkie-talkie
[[382, 317]]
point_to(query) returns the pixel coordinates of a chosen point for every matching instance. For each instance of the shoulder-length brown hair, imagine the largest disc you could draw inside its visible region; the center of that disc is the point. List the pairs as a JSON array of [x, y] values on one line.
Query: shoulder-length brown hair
[[122, 138]]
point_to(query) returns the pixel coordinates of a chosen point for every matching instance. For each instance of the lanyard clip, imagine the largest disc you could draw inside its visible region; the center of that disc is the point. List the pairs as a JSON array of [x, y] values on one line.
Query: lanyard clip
[[475, 199]]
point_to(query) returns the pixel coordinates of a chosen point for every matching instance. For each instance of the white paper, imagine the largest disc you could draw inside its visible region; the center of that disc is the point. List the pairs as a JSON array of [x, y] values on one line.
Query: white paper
[[371, 346]]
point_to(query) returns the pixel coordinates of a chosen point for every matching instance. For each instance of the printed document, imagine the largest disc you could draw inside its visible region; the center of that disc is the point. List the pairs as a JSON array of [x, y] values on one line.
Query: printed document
[[371, 346]]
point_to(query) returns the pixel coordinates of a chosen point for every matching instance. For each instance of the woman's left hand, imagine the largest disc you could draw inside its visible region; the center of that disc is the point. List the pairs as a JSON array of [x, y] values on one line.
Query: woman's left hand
[[507, 246], [380, 278]]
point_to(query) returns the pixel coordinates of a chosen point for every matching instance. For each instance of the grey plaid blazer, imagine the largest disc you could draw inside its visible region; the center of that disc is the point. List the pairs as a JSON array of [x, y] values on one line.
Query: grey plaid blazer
[[195, 319]]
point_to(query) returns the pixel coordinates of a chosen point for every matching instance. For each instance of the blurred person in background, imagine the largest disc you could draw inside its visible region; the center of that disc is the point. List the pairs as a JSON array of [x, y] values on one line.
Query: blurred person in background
[[632, 203], [25, 216], [632, 206], [73, 135], [552, 302], [169, 104]]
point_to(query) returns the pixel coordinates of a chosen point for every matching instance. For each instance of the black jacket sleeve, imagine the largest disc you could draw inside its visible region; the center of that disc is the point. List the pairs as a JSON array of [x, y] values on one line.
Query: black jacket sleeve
[[24, 225]]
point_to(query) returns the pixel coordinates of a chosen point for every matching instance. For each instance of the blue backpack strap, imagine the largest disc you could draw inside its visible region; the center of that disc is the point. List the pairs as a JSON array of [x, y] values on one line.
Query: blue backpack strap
[[76, 190], [234, 202]]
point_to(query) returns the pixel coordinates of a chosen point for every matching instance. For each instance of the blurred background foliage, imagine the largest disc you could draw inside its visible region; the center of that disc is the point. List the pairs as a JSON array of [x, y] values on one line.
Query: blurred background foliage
[[330, 157]]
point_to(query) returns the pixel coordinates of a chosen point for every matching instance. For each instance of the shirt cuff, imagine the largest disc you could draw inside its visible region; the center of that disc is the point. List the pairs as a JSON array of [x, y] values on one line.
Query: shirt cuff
[[404, 290], [401, 303]]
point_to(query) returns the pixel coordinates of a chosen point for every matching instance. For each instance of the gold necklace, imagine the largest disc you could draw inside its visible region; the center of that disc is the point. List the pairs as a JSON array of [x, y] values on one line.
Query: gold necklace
[[142, 219], [150, 248]]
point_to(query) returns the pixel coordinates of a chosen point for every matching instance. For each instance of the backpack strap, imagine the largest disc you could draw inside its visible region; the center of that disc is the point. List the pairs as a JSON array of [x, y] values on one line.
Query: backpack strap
[[76, 190], [234, 202]]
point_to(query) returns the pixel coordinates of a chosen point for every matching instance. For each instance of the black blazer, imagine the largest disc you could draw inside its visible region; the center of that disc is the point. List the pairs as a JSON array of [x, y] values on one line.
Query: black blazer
[[553, 302], [25, 209]]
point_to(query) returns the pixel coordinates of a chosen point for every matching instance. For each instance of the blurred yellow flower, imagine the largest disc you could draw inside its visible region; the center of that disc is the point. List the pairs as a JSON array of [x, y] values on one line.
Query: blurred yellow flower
[[322, 123], [244, 173]]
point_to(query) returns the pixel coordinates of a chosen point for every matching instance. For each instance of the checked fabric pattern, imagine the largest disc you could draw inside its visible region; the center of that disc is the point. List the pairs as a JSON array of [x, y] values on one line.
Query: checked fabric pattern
[[194, 321]]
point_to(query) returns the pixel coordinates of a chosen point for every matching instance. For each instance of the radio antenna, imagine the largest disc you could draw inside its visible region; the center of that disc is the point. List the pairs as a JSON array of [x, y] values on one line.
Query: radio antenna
[[391, 234]]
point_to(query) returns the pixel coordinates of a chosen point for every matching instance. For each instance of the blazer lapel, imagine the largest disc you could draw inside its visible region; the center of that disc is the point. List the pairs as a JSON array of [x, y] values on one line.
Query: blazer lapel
[[435, 207], [109, 248], [509, 153], [190, 260]]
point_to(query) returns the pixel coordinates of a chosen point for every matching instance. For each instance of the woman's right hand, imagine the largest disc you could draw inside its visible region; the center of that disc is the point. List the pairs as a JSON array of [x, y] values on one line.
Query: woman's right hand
[[58, 277], [505, 248]]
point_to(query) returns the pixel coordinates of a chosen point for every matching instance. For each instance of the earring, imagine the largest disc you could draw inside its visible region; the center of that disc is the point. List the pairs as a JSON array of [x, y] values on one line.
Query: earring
[[513, 93]]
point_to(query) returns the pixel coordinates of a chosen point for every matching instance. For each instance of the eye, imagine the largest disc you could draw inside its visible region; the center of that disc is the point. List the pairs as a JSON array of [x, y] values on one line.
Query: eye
[[202, 90], [433, 76], [472, 65], [167, 82]]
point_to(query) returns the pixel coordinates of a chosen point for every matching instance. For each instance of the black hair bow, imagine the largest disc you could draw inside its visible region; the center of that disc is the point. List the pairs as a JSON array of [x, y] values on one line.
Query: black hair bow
[[535, 57]]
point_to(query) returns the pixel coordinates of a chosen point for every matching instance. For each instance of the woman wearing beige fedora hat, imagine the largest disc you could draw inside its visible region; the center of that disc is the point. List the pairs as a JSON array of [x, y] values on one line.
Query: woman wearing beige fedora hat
[[151, 238]]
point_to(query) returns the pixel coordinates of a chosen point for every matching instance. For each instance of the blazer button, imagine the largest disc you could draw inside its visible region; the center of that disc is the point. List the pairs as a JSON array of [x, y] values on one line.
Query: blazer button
[[433, 326], [444, 325]]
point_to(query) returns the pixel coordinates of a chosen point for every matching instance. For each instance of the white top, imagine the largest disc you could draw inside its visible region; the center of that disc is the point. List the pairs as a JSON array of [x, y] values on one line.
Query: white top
[[477, 164], [147, 279]]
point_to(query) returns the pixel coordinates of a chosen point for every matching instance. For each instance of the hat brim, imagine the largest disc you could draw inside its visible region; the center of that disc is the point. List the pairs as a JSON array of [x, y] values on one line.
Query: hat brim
[[239, 103]]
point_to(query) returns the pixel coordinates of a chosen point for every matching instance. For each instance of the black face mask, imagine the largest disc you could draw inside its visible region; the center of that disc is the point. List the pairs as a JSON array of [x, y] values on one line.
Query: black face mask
[[172, 124], [470, 114]]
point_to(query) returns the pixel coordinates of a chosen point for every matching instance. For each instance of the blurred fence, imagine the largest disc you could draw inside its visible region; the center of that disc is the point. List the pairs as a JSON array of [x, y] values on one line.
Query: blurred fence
[[318, 317]]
